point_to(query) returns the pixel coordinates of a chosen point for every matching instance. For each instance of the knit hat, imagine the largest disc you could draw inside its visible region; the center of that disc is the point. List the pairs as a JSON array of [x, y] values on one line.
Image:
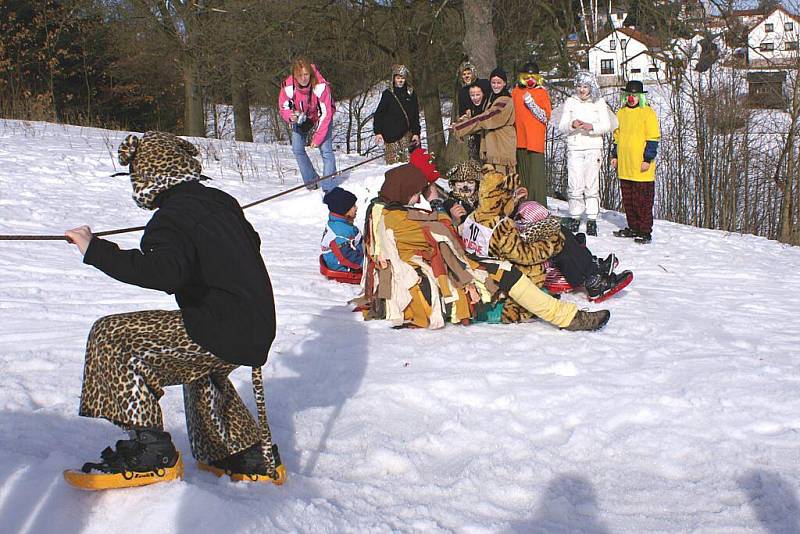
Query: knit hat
[[531, 212], [339, 200], [531, 67], [500, 73], [401, 183], [584, 77], [400, 70], [424, 162]]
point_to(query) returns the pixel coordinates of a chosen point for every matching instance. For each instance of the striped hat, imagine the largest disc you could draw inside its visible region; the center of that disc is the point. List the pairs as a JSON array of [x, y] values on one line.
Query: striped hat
[[530, 212]]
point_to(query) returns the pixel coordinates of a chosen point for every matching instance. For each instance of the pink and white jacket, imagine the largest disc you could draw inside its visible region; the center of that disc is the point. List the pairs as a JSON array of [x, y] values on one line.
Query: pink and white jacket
[[317, 104]]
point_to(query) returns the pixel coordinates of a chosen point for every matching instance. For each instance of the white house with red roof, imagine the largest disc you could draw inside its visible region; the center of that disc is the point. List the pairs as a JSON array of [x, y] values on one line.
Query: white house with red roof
[[773, 40], [626, 54]]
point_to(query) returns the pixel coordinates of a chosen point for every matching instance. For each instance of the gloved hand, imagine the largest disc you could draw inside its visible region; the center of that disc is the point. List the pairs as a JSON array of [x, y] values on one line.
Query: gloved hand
[[528, 99]]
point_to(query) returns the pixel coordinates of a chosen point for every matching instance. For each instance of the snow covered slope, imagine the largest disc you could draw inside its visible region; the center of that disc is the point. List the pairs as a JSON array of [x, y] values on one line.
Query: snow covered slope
[[682, 415]]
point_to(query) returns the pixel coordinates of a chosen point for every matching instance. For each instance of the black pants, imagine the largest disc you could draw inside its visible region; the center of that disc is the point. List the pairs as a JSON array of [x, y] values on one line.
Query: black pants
[[575, 260]]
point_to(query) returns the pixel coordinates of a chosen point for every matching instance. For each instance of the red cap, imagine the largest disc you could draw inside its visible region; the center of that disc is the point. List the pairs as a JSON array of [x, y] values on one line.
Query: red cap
[[424, 162]]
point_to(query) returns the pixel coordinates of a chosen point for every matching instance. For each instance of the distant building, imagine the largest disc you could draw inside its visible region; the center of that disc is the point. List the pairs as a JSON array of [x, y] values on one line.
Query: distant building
[[772, 41], [626, 54]]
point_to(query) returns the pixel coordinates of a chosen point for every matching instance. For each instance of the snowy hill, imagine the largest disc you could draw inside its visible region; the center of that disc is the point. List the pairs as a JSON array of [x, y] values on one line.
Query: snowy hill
[[682, 415]]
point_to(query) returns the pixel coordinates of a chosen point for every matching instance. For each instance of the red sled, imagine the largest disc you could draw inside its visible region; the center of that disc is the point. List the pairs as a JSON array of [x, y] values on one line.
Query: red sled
[[619, 287], [346, 277], [554, 281]]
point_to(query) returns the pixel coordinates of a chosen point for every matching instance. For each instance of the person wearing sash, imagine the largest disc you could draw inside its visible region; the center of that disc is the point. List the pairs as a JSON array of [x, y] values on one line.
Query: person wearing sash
[[396, 119]]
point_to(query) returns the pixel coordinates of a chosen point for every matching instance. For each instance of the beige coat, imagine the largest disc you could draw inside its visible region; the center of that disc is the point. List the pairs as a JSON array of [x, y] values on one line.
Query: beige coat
[[499, 139]]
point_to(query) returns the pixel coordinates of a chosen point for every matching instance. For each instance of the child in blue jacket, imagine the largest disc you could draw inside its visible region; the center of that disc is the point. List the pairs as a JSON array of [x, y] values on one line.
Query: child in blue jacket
[[342, 248]]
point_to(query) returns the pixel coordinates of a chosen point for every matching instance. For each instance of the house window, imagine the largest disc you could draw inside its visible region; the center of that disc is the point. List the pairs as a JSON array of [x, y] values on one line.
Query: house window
[[606, 66], [613, 44], [788, 26], [652, 69], [791, 45], [767, 47], [636, 70], [623, 42], [769, 27]]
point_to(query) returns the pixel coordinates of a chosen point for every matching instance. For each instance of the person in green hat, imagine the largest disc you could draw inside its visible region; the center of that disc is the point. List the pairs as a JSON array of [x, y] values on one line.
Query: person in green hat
[[633, 155]]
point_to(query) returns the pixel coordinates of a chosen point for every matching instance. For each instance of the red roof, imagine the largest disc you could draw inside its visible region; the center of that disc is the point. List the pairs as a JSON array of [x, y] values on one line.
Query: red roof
[[648, 41]]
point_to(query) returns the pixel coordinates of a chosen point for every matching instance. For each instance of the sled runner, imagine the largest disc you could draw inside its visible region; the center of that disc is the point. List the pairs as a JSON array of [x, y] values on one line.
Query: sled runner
[[347, 277]]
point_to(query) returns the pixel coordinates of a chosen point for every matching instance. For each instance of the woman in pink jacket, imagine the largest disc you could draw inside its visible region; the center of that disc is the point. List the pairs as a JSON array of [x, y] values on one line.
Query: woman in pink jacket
[[306, 104]]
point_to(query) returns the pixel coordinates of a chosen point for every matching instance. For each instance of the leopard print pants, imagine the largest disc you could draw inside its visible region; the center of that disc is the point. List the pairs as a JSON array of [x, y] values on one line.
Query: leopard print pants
[[397, 152], [131, 357]]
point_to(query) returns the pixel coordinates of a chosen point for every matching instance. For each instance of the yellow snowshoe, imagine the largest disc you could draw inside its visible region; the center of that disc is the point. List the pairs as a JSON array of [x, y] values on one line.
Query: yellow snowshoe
[[248, 465], [148, 458]]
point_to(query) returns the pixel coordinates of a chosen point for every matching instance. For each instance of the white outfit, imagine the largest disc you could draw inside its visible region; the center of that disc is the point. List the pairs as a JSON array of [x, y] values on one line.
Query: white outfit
[[584, 152]]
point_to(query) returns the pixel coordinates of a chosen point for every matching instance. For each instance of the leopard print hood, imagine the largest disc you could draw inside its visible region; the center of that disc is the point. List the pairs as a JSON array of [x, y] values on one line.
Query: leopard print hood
[[496, 196], [464, 180], [158, 161]]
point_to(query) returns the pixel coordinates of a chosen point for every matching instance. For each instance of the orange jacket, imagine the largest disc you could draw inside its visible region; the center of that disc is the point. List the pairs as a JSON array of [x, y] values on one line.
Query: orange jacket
[[531, 132]]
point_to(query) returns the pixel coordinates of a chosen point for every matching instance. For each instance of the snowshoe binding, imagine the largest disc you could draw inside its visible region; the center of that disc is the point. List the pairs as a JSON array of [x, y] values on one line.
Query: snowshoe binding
[[248, 465], [604, 287], [626, 232], [148, 458]]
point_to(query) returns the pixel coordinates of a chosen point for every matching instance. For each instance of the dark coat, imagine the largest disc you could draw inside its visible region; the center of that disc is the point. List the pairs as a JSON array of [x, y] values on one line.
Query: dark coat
[[200, 247], [389, 120]]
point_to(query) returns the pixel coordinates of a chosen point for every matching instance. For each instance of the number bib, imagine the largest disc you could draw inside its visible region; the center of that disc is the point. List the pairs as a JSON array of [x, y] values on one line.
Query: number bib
[[476, 237]]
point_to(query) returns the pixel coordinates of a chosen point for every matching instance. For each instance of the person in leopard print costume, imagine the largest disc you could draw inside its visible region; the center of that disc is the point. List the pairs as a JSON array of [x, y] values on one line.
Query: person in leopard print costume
[[199, 247]]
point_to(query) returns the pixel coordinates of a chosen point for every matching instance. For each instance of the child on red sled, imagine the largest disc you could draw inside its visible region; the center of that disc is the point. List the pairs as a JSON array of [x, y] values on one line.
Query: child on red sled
[[342, 249]]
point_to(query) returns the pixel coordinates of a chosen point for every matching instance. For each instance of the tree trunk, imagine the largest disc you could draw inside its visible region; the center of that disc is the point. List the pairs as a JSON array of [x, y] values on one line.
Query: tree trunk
[[431, 106], [193, 116], [479, 39], [241, 101]]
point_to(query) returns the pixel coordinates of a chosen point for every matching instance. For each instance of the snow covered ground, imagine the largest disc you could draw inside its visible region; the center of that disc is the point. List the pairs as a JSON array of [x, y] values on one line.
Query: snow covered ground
[[682, 415]]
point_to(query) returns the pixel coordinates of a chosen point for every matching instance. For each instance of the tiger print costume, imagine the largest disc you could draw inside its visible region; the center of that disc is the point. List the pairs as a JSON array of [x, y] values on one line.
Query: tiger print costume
[[496, 206]]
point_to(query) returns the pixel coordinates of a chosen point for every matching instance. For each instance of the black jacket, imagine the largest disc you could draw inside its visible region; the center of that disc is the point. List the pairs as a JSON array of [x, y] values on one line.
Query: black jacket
[[389, 120], [199, 246]]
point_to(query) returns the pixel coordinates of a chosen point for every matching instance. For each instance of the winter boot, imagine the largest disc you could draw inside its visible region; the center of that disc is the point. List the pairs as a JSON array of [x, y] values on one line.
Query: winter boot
[[149, 457], [606, 266], [643, 238], [591, 227], [571, 224], [626, 232], [247, 465], [602, 287], [588, 321]]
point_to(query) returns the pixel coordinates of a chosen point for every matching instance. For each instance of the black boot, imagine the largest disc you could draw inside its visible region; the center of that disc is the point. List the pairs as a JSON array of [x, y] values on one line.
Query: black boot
[[591, 227], [147, 458], [626, 232], [601, 287], [644, 238], [148, 450], [606, 266], [571, 224], [248, 464]]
